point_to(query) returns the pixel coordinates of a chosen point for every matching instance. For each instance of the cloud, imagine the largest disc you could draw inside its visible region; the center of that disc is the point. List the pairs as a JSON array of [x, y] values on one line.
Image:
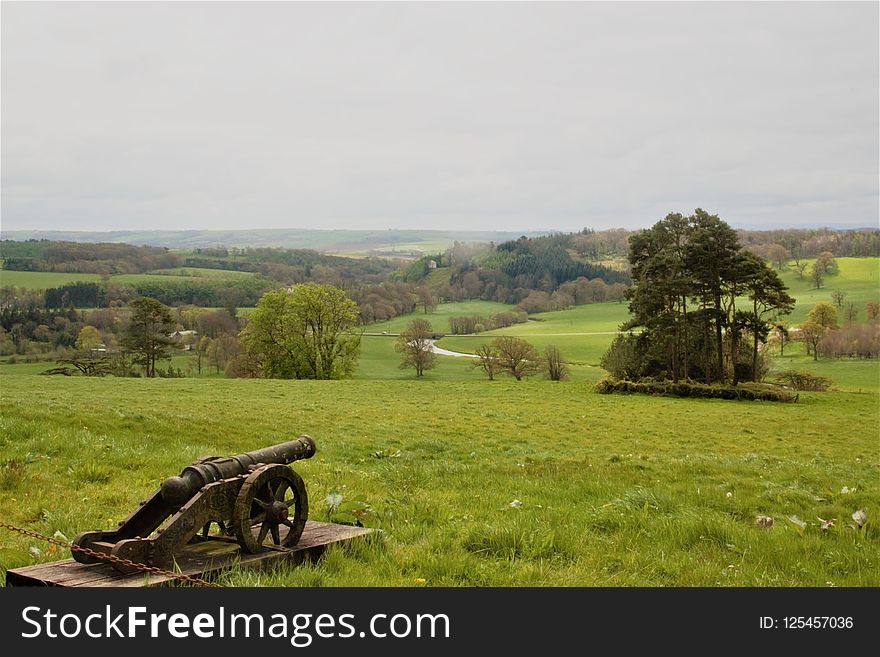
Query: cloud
[[486, 115]]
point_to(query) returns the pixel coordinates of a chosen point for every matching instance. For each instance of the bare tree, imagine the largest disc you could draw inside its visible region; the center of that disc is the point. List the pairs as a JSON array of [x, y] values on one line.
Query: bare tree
[[416, 346], [778, 255], [813, 333], [781, 329], [222, 350], [426, 298], [872, 310], [556, 367], [487, 360], [517, 357], [837, 296], [800, 268], [851, 313]]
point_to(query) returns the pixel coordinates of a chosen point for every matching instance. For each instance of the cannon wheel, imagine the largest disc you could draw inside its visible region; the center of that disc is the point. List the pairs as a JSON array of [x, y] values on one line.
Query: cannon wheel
[[268, 498]]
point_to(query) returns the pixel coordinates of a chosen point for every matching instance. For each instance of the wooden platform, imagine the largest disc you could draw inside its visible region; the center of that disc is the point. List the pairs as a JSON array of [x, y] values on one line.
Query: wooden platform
[[198, 559]]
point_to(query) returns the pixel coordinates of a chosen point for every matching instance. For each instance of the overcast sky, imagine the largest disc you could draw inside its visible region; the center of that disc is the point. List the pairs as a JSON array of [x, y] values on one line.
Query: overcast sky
[[486, 116]]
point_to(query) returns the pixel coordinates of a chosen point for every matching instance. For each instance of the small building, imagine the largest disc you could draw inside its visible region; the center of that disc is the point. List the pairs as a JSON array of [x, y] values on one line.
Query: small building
[[186, 338]]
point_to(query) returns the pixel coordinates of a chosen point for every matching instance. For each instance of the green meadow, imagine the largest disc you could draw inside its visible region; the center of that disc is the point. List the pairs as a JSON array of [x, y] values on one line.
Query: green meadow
[[39, 280], [496, 483], [439, 316], [858, 277]]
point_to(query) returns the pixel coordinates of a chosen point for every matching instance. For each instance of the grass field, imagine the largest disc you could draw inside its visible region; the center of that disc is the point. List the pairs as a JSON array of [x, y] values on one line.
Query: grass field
[[852, 375], [379, 360], [567, 329], [439, 317], [38, 280], [614, 490], [202, 272], [858, 277]]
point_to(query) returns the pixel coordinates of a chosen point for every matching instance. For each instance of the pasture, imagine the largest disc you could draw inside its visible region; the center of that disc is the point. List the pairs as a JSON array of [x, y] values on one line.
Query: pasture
[[496, 483]]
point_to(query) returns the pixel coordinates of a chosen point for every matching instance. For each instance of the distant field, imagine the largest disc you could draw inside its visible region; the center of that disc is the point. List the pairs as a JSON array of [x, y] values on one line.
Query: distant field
[[379, 360], [584, 349], [852, 375], [858, 277], [439, 317], [564, 329], [404, 249], [38, 280], [609, 490], [202, 272]]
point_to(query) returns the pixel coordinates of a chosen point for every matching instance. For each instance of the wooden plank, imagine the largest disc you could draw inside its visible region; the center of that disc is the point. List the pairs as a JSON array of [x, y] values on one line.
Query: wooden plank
[[198, 559]]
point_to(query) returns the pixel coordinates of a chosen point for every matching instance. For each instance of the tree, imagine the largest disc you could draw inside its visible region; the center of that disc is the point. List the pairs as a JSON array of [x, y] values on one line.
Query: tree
[[851, 313], [516, 357], [213, 323], [838, 296], [778, 255], [487, 360], [826, 263], [88, 339], [781, 329], [146, 336], [813, 332], [872, 310], [556, 366], [712, 249], [200, 349], [221, 350], [417, 347], [306, 333], [823, 314], [800, 268], [426, 298], [768, 294], [817, 275]]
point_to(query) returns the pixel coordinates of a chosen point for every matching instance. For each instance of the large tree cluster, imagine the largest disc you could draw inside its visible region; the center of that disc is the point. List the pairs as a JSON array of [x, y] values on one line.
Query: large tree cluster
[[703, 304]]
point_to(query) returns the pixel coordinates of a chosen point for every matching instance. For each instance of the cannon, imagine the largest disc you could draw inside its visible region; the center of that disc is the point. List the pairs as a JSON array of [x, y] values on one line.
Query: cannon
[[254, 497]]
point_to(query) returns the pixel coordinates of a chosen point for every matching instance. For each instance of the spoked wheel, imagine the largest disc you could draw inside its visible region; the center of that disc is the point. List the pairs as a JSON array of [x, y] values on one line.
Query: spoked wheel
[[271, 496]]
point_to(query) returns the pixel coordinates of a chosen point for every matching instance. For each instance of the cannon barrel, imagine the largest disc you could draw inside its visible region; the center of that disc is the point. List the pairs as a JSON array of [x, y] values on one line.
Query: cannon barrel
[[177, 490]]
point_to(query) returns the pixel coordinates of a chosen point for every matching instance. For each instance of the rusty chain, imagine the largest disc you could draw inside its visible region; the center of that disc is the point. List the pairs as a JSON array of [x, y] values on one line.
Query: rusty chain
[[140, 567]]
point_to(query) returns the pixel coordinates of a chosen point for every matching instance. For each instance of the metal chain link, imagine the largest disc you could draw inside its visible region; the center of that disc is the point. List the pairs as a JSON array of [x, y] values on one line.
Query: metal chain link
[[140, 567]]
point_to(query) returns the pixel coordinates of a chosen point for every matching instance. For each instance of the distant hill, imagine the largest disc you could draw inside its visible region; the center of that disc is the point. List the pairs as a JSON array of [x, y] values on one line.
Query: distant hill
[[364, 242]]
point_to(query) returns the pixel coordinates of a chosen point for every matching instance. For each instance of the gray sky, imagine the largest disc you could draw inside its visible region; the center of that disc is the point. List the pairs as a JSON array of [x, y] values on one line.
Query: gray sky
[[449, 115]]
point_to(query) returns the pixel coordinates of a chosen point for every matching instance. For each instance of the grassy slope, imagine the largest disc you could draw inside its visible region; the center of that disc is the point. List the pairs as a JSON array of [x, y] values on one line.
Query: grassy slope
[[613, 491]]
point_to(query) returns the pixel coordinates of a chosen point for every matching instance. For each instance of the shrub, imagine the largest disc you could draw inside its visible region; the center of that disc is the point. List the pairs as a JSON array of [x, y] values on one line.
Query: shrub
[[803, 380], [745, 392]]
